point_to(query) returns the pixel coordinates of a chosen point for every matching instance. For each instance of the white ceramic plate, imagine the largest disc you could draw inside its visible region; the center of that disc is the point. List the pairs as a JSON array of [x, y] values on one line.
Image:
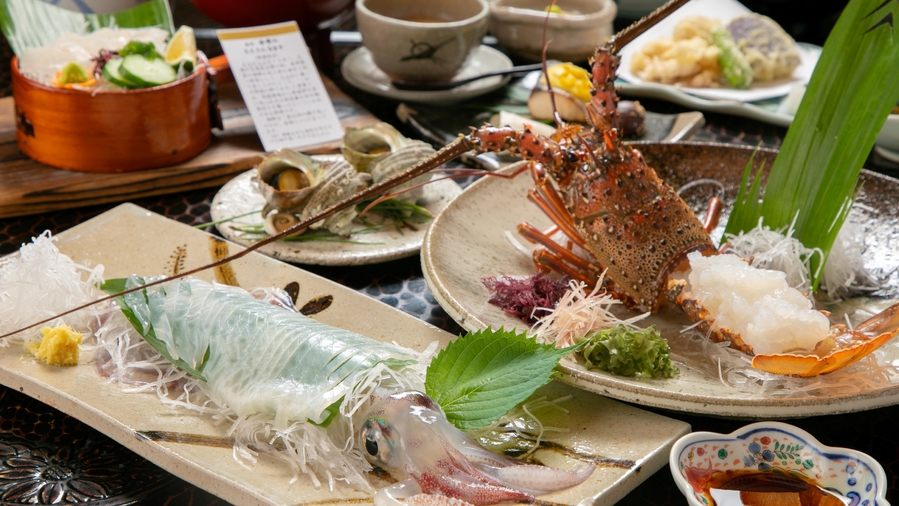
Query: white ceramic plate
[[767, 111], [468, 243], [241, 196], [886, 153], [129, 239], [360, 70], [723, 10]]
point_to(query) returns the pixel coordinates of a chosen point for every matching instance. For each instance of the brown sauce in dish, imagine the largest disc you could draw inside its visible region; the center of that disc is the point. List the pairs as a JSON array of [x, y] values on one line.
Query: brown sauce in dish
[[774, 489]]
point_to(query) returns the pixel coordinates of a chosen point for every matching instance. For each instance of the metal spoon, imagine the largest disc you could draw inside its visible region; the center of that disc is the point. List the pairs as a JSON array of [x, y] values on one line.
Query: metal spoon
[[413, 86]]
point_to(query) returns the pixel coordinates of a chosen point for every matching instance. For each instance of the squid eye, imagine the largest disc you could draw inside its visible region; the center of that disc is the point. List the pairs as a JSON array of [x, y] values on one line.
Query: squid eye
[[371, 446]]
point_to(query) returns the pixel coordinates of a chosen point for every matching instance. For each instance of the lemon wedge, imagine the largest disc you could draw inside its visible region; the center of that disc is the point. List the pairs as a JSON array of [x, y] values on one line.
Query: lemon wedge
[[181, 49]]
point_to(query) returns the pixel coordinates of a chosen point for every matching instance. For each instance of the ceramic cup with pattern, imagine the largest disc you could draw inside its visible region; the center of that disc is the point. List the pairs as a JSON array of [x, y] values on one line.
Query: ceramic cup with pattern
[[421, 40]]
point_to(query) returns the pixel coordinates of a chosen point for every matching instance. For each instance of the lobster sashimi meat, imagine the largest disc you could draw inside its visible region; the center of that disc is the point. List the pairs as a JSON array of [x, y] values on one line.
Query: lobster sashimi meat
[[326, 400], [605, 199]]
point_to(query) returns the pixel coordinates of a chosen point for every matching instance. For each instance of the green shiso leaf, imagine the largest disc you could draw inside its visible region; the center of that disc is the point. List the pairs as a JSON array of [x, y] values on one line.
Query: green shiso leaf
[[626, 351], [849, 97], [114, 286], [34, 23], [481, 376]]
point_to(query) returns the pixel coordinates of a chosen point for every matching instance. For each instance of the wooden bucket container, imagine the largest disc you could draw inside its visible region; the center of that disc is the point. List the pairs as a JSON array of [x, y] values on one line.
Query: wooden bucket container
[[112, 131]]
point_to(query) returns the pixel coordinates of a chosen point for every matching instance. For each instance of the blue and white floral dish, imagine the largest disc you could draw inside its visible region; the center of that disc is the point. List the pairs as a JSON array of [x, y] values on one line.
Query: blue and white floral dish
[[701, 457]]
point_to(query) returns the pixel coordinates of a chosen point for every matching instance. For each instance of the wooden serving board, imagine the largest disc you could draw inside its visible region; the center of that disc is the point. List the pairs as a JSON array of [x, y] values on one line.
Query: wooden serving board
[[29, 187]]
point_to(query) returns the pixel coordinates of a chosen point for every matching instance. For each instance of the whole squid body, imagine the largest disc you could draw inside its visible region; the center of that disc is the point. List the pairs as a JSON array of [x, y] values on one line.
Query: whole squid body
[[337, 401]]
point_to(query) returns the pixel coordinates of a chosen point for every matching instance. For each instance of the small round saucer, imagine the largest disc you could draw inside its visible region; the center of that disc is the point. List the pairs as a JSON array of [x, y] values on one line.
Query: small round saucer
[[886, 153], [360, 70]]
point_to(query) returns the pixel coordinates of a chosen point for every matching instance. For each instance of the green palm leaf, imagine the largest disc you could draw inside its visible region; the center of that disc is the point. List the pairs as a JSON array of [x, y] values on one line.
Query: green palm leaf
[[849, 97], [34, 23]]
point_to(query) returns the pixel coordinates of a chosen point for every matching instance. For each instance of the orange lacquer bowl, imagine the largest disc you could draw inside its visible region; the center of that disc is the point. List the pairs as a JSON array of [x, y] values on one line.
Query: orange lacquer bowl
[[112, 131]]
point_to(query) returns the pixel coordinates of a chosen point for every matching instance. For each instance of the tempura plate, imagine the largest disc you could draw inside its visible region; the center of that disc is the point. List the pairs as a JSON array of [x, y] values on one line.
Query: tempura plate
[[469, 242], [724, 11], [627, 443]]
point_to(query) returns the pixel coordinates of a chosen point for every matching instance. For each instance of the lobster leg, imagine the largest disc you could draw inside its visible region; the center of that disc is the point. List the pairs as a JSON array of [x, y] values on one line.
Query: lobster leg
[[713, 214]]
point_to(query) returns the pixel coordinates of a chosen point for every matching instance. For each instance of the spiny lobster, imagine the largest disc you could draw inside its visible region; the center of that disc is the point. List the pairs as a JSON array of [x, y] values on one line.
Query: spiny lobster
[[613, 205], [605, 199]]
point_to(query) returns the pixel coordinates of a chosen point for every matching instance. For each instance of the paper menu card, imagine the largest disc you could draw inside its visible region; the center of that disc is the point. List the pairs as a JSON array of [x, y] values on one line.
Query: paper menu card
[[280, 85]]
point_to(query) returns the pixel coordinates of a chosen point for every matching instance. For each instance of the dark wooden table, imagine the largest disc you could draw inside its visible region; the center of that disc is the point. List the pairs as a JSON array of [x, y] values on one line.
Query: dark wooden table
[[399, 284]]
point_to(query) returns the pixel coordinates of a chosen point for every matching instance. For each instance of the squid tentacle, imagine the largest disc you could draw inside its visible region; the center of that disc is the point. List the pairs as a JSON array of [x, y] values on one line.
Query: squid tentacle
[[407, 434]]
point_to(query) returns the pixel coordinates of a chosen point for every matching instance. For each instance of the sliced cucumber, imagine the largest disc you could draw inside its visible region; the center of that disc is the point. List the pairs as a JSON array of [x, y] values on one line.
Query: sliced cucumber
[[111, 71], [145, 72]]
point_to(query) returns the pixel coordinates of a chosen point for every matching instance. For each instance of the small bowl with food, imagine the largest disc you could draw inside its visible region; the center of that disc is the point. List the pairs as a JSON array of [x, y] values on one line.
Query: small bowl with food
[[773, 463], [573, 27], [113, 100]]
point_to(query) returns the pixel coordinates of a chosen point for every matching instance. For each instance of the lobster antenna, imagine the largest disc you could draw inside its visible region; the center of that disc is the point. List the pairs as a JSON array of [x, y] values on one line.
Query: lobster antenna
[[447, 153], [630, 33], [549, 87]]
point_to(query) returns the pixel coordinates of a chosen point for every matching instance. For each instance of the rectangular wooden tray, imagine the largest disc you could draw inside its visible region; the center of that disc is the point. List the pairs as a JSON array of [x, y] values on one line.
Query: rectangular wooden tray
[[28, 187]]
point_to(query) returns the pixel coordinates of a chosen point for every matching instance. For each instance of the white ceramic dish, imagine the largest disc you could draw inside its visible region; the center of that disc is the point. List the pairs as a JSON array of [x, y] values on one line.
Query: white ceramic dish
[[240, 197], [574, 33], [468, 242], [197, 449], [697, 458], [887, 142], [360, 70], [767, 111], [723, 10]]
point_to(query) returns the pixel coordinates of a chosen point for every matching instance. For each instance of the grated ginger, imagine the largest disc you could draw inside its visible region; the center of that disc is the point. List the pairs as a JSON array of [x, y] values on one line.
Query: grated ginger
[[59, 346]]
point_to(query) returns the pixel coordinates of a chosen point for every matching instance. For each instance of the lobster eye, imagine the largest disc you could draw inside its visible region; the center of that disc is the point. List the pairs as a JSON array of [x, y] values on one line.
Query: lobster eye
[[371, 446]]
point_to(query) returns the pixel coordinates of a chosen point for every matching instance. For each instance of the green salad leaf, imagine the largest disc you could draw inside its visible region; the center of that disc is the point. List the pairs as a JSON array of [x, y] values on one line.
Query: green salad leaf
[[481, 376], [627, 351]]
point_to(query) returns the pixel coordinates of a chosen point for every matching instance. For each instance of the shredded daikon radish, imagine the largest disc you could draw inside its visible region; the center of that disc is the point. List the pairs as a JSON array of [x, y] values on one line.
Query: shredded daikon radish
[[579, 314], [42, 63], [843, 273], [776, 250], [41, 282]]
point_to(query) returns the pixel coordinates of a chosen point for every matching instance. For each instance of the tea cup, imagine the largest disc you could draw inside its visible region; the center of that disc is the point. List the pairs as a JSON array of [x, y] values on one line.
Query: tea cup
[[421, 41]]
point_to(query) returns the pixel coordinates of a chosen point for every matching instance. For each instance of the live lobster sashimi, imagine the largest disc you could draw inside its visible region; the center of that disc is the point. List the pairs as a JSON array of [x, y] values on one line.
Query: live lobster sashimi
[[615, 221]]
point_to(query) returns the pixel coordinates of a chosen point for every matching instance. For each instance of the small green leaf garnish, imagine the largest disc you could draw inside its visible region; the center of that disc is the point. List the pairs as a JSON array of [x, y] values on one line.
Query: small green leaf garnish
[[626, 351], [481, 376], [114, 286], [145, 49]]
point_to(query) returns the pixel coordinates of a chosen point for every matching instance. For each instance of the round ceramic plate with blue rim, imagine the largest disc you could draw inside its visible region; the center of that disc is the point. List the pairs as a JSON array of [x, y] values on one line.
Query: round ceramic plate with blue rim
[[701, 460]]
